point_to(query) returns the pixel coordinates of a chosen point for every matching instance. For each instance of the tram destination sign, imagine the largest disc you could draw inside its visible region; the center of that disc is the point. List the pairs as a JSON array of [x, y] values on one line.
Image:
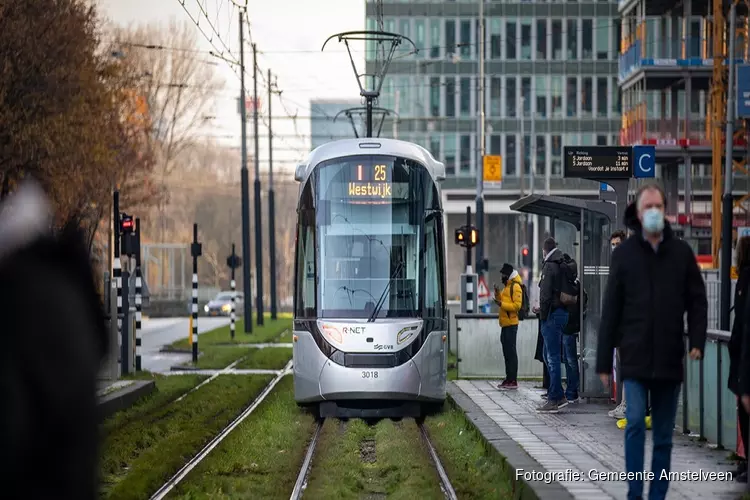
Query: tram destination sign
[[598, 162]]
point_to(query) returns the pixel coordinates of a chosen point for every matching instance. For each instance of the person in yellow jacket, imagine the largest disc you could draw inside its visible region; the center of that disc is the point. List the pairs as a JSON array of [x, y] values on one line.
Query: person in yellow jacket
[[509, 299]]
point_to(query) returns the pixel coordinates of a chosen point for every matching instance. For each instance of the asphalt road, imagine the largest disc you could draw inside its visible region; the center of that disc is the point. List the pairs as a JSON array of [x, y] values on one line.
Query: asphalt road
[[158, 332]]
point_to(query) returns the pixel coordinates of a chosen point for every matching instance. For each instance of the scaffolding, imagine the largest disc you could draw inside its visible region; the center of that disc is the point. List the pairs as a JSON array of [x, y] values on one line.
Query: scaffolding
[[665, 56]]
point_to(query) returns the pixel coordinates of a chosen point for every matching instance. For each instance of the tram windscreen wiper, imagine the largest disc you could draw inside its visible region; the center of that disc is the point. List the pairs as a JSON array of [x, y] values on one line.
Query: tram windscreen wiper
[[381, 300]]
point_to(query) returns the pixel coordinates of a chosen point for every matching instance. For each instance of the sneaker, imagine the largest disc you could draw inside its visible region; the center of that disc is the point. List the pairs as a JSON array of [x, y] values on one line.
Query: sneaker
[[502, 384], [618, 413], [574, 400], [548, 407], [508, 386], [544, 396], [562, 403]]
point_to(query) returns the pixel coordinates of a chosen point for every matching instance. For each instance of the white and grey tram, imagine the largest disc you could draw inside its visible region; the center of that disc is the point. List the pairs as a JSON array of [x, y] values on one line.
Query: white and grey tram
[[370, 315]]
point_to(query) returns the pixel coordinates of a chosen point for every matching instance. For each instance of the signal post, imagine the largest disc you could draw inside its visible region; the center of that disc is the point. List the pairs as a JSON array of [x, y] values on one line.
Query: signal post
[[467, 236]]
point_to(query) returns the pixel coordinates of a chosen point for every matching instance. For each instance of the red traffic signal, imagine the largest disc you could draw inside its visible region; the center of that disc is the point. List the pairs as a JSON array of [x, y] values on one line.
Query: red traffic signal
[[525, 256], [127, 225], [525, 251]]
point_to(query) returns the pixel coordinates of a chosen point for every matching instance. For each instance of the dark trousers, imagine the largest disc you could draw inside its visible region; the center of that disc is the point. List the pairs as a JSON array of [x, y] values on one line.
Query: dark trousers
[[742, 416], [508, 336]]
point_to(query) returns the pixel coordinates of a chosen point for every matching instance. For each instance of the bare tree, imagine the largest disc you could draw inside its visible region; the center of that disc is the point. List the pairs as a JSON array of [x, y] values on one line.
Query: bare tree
[[181, 89]]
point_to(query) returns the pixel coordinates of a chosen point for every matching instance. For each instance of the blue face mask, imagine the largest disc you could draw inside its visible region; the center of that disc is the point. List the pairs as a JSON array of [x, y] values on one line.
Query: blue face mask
[[653, 221]]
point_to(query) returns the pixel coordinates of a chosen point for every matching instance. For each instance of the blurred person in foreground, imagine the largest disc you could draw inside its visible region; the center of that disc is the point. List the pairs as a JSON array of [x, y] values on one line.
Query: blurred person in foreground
[[740, 340], [654, 280], [510, 300], [54, 339]]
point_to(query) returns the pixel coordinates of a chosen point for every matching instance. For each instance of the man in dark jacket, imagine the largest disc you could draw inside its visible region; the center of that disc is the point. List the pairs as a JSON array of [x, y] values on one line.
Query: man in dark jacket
[[653, 280], [553, 316], [54, 339]]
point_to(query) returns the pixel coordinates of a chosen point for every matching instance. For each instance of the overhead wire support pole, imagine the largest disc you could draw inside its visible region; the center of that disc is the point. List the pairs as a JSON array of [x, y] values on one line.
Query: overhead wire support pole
[[727, 208], [258, 228], [247, 312], [271, 207], [481, 142]]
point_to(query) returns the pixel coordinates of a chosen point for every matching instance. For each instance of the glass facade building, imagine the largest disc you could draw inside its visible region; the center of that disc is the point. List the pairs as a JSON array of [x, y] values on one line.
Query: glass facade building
[[551, 69]]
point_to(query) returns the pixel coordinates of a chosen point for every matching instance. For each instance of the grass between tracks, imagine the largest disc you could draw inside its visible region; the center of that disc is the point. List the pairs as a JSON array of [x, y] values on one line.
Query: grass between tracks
[[147, 443], [260, 459], [358, 460], [218, 350], [267, 358], [476, 470], [272, 331]]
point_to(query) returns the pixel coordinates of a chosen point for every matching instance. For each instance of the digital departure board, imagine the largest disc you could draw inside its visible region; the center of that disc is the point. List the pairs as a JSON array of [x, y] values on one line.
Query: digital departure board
[[598, 162]]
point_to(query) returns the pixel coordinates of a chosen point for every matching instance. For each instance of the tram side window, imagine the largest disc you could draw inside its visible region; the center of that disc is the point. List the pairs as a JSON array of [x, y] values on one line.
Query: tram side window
[[433, 287], [305, 271]]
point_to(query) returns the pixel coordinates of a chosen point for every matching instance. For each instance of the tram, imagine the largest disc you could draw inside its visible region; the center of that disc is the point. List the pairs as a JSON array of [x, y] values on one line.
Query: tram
[[370, 313]]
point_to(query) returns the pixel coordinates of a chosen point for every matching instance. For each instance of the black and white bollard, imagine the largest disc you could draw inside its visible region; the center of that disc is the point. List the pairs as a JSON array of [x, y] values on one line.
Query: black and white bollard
[[233, 286], [195, 251], [138, 296], [233, 262]]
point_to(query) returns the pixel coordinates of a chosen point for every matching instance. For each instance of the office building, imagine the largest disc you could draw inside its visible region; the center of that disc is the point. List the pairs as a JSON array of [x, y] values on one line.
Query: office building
[[322, 127], [551, 80]]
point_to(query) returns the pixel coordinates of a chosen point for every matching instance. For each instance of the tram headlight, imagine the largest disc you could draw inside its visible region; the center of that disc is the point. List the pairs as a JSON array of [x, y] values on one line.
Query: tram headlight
[[405, 334]]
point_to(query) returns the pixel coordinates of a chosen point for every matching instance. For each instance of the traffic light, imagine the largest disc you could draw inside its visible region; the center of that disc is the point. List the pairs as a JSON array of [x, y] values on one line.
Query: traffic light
[[525, 256], [127, 225], [467, 236]]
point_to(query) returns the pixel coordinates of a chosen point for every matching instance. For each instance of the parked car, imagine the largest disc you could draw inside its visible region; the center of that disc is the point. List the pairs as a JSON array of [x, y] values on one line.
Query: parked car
[[221, 305]]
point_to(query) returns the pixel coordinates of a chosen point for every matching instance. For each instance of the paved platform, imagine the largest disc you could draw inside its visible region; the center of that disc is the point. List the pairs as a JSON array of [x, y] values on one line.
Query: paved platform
[[580, 438], [118, 395]]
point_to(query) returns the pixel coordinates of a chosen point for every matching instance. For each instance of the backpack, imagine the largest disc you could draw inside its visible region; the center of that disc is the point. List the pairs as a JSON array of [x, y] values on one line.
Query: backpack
[[569, 284], [574, 314], [523, 313]]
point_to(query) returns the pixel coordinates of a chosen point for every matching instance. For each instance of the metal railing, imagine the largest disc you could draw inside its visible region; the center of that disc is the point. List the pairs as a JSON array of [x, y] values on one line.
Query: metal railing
[[708, 408]]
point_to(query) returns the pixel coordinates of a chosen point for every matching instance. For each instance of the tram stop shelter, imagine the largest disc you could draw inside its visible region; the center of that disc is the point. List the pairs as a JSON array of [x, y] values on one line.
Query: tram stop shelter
[[581, 228]]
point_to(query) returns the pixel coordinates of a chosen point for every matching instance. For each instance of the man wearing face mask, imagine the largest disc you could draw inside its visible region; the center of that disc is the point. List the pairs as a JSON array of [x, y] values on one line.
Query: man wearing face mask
[[653, 281]]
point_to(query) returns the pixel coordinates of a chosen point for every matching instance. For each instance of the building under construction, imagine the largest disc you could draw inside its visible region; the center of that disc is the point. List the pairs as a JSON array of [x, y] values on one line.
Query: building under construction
[[674, 83]]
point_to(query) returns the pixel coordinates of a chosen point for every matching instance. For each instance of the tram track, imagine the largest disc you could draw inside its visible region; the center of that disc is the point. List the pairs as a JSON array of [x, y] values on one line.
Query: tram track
[[307, 464], [168, 486]]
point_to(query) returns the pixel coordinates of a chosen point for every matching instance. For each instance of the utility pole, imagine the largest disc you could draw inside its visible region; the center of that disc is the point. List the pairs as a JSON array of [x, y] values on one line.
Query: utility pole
[[247, 313], [522, 173], [271, 207], [727, 208], [482, 150], [258, 232]]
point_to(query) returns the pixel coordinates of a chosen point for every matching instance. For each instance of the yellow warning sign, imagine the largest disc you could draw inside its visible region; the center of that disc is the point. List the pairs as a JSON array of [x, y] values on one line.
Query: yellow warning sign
[[493, 168]]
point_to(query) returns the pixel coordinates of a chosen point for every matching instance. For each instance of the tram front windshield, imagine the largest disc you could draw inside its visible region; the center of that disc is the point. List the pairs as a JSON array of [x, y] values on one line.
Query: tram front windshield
[[370, 221]]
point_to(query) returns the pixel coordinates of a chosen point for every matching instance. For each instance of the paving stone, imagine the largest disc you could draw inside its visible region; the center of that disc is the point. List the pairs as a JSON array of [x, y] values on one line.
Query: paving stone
[[580, 437]]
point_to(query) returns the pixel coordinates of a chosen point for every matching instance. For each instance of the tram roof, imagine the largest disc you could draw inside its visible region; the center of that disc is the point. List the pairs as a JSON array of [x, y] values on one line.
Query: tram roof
[[369, 146]]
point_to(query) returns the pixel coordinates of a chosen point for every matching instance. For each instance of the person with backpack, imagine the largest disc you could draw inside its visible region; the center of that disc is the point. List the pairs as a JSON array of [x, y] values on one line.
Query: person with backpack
[[554, 293], [511, 299]]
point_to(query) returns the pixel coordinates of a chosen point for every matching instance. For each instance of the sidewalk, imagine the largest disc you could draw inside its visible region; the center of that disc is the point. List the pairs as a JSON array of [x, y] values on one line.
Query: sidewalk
[[579, 438]]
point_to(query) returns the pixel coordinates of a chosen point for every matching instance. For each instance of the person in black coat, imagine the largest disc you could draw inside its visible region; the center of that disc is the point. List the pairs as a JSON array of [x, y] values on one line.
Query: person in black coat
[[654, 279], [54, 339], [739, 329]]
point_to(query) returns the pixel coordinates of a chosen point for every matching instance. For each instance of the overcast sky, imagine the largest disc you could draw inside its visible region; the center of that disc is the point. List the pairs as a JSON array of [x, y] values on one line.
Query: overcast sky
[[289, 35]]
